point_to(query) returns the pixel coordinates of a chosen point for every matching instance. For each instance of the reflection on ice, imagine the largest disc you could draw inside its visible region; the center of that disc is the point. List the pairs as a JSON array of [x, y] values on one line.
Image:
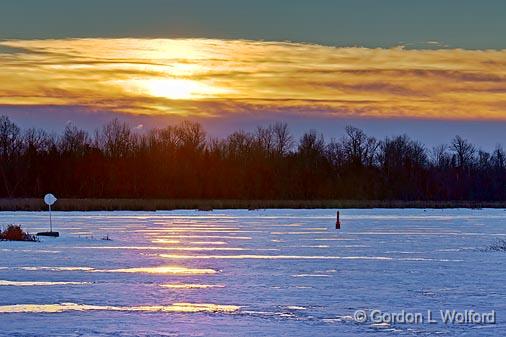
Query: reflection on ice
[[38, 283], [57, 268], [331, 239], [203, 228], [190, 286], [275, 257], [207, 243], [309, 283], [165, 241], [167, 248], [311, 246], [309, 232], [30, 251], [173, 270], [304, 257], [62, 307], [204, 231], [228, 237], [295, 307]]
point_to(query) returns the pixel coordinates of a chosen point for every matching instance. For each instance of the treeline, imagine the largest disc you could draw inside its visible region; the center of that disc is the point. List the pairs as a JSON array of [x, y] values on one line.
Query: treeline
[[182, 162]]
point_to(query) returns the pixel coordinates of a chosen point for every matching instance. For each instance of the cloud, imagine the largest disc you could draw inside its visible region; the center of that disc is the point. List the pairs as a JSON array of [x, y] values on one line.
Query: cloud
[[209, 78]]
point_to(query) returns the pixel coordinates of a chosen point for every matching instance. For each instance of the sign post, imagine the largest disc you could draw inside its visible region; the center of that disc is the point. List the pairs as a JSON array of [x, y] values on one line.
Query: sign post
[[49, 199]]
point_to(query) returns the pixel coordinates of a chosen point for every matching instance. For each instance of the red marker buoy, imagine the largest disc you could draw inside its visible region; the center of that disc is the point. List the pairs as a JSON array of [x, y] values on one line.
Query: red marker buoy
[[338, 223]]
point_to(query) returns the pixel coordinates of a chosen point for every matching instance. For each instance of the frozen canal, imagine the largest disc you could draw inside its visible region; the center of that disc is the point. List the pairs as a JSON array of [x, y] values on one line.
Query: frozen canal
[[252, 273]]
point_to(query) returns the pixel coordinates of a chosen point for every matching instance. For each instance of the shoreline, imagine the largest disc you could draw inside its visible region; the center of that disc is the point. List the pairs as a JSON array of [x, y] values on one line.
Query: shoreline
[[37, 204]]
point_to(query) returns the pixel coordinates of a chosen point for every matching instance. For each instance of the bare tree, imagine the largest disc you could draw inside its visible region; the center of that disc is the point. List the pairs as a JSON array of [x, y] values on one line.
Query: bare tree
[[265, 138], [464, 151], [37, 140], [10, 138], [191, 136], [360, 149], [115, 139], [282, 138], [499, 158], [312, 144], [239, 144], [336, 153], [163, 140], [400, 152], [440, 156], [75, 141]]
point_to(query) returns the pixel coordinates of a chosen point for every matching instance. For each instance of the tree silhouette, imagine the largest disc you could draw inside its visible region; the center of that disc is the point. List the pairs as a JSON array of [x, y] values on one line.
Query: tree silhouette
[[180, 161]]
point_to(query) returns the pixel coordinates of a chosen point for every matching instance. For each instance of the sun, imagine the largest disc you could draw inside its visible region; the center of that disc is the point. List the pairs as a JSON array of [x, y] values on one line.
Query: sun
[[173, 88]]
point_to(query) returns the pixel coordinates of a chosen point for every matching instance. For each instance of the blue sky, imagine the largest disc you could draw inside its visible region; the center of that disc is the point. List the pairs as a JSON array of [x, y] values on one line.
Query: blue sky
[[456, 23]]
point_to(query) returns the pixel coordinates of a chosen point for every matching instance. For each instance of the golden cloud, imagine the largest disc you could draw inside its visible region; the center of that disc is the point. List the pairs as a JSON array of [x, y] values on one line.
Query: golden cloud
[[205, 77]]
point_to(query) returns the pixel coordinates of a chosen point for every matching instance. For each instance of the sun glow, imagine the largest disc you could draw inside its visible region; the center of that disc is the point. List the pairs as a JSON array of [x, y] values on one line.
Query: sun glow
[[174, 88], [221, 78]]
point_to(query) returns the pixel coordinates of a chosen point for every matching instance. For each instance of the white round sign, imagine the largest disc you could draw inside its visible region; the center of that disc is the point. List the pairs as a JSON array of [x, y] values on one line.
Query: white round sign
[[49, 199]]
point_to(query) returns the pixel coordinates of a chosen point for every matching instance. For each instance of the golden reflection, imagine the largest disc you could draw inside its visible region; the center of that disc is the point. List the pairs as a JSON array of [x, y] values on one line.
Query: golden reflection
[[63, 307], [278, 257], [303, 257], [188, 229], [191, 286], [330, 239], [57, 268], [297, 233], [212, 230], [173, 270], [191, 236], [165, 241], [38, 283], [312, 246], [207, 248], [164, 248]]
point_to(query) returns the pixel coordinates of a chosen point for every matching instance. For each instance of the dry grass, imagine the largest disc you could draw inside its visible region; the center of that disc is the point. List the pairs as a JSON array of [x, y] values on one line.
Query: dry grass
[[207, 205], [16, 233]]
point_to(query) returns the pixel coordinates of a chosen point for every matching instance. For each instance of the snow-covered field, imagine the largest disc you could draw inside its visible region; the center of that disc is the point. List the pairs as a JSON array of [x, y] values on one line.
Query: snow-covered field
[[251, 273]]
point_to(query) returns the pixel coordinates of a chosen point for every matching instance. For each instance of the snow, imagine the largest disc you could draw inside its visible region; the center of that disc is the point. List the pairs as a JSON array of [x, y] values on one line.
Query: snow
[[250, 273]]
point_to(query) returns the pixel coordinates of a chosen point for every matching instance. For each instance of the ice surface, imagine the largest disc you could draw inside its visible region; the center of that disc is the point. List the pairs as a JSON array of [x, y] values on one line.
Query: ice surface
[[250, 273]]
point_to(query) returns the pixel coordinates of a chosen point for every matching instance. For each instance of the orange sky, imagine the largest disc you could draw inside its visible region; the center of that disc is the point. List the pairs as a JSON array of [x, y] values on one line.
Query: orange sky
[[216, 78]]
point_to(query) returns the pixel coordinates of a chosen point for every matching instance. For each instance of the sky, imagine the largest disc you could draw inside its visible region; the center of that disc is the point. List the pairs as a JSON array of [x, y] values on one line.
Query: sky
[[430, 69]]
